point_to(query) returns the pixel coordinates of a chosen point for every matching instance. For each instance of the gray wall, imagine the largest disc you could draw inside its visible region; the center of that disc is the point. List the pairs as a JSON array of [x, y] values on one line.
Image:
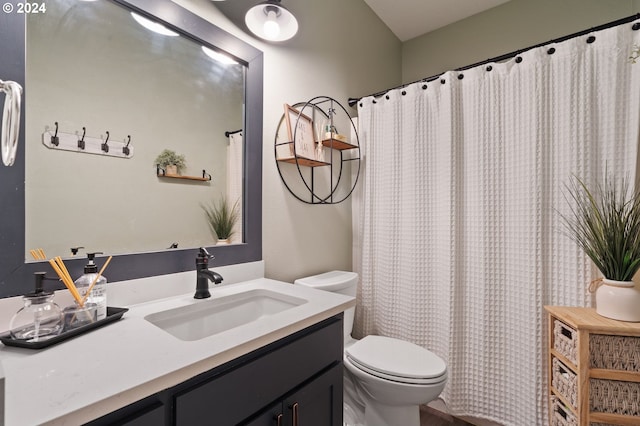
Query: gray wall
[[503, 29], [341, 50], [356, 55]]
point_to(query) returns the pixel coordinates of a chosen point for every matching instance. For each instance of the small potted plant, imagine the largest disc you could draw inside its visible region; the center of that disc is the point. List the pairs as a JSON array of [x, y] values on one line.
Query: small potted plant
[[172, 163], [222, 218], [605, 223]]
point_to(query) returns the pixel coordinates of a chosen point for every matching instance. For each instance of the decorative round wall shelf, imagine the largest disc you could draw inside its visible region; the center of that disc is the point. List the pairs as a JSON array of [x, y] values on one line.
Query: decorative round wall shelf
[[317, 151]]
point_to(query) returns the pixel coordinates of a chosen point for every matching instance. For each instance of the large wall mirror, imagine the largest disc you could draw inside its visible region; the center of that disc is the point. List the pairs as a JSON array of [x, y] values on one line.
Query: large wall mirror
[[92, 68]]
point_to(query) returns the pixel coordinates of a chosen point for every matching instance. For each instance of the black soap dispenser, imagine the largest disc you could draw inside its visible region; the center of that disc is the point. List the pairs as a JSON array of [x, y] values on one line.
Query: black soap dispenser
[[40, 317]]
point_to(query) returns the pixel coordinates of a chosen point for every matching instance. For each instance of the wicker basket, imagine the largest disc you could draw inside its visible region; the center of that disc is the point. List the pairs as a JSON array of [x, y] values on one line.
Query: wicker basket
[[615, 397], [564, 380], [614, 352], [565, 340], [561, 415]]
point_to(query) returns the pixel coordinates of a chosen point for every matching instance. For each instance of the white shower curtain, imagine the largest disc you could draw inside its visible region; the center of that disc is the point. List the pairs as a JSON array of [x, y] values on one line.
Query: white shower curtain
[[234, 180], [457, 239]]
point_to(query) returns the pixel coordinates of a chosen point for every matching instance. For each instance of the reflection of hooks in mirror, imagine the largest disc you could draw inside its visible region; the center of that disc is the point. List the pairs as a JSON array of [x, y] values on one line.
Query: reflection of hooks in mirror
[[104, 146], [125, 149], [55, 140], [81, 144], [173, 245]]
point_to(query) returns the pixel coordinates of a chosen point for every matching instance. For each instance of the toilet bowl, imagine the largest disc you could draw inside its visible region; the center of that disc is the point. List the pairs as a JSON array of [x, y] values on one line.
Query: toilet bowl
[[385, 379]]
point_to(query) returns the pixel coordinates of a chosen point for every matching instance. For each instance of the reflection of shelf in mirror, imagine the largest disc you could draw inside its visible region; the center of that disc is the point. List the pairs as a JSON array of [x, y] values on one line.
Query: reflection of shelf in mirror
[[162, 174], [338, 144], [304, 162], [198, 178]]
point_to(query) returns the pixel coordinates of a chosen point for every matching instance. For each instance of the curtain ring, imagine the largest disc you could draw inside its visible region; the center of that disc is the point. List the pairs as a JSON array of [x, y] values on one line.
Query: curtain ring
[[10, 121]]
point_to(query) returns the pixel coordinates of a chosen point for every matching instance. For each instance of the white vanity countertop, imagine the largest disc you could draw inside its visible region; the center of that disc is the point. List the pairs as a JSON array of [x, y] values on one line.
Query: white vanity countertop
[[106, 369]]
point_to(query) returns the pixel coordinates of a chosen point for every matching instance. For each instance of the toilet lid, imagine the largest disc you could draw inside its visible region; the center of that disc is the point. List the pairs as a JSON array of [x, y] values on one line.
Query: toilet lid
[[396, 359]]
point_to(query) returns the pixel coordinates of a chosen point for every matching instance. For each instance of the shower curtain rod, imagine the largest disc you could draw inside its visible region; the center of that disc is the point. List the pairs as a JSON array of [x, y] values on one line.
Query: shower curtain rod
[[233, 132], [354, 101]]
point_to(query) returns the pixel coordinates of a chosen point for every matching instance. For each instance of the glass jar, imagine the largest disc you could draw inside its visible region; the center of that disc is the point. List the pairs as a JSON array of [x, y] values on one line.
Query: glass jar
[[76, 316], [39, 318]]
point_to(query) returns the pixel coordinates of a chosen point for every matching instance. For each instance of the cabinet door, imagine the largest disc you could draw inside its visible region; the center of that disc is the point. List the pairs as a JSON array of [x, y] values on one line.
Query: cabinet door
[[235, 395], [272, 416], [318, 403]]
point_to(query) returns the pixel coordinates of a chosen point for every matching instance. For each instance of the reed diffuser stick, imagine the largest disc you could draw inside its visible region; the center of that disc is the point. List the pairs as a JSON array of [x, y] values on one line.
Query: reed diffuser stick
[[67, 282], [95, 280], [63, 268]]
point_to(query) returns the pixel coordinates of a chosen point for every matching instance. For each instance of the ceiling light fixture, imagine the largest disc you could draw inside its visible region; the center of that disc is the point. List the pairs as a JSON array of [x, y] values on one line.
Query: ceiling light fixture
[[153, 26], [271, 21]]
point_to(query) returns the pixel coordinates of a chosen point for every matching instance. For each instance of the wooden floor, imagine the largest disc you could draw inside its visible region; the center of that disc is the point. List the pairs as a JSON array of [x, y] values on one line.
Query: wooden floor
[[432, 417]]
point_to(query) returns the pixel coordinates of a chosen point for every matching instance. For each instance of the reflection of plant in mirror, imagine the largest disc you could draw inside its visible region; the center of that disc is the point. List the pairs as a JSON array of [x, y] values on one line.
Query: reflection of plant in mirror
[[169, 158], [222, 217]]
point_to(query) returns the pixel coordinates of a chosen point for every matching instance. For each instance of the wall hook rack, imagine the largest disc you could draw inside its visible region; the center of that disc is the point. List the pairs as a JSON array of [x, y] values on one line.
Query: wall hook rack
[[81, 143]]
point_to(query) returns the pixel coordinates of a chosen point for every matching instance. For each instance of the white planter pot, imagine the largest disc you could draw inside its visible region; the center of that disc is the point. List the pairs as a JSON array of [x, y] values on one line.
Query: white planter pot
[[223, 241], [618, 300]]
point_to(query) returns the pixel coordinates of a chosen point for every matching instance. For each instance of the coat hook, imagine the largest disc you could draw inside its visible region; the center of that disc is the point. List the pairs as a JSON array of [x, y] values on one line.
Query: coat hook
[[125, 149], [55, 140], [104, 146], [81, 141]]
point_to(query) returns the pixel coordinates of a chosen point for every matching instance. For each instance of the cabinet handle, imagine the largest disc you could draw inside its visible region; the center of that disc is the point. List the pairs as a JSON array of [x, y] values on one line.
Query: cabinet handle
[[294, 408], [279, 419]]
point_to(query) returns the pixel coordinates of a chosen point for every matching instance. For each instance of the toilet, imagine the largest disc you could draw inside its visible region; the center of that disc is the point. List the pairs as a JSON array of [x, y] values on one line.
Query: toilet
[[385, 379]]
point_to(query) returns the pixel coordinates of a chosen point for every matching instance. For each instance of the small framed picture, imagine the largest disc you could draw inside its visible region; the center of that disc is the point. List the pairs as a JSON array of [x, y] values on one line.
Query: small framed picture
[[300, 131]]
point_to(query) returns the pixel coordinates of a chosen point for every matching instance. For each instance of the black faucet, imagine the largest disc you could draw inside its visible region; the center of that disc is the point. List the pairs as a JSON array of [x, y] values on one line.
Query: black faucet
[[204, 275]]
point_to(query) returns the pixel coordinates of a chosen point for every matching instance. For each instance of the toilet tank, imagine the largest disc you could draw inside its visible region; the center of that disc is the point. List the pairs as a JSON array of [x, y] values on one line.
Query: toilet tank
[[342, 282]]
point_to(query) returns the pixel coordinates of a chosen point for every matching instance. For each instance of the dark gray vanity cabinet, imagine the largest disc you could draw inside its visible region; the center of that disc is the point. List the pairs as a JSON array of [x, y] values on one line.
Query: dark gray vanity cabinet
[[296, 380], [317, 403]]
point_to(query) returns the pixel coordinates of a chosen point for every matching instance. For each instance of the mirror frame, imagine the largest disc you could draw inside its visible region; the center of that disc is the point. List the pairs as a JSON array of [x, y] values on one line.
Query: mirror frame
[[16, 274]]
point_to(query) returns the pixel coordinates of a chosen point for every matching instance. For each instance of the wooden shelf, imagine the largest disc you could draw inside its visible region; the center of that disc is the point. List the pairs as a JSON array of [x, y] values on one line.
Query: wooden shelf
[[198, 178], [303, 162], [338, 144]]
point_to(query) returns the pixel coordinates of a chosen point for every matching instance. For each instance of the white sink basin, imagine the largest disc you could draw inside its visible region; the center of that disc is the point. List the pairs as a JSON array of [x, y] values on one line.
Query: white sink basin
[[215, 315]]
